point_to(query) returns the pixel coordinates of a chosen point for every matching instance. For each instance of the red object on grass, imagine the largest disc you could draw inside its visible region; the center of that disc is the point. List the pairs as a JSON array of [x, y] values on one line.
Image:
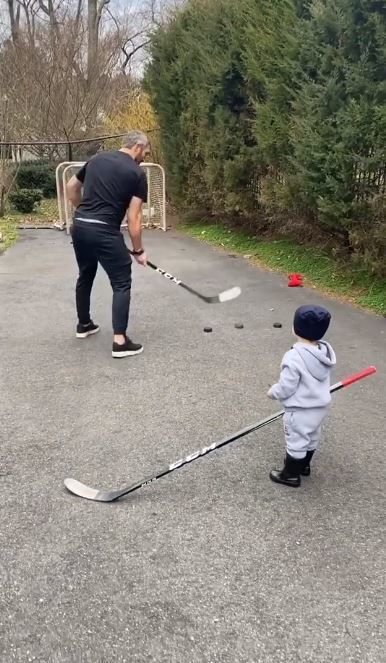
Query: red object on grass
[[295, 280]]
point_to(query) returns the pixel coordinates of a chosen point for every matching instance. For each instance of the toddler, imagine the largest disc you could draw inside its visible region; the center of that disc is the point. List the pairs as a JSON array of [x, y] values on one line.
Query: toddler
[[304, 391]]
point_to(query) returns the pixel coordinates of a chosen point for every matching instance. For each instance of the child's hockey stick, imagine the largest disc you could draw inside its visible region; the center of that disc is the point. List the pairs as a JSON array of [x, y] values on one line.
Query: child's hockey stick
[[222, 297], [81, 490]]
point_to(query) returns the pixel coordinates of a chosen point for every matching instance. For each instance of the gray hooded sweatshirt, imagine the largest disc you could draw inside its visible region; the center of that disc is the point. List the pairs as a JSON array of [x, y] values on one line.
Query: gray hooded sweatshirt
[[305, 376]]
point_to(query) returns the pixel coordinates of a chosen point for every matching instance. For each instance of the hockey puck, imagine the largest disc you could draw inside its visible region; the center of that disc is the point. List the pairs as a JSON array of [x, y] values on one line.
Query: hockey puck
[[239, 325], [208, 329], [277, 325]]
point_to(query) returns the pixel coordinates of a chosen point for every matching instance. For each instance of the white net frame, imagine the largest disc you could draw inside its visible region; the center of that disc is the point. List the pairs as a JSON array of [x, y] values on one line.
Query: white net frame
[[153, 212]]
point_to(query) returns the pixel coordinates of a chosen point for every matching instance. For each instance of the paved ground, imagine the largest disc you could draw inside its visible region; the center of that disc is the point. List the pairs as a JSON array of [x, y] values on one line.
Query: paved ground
[[214, 563]]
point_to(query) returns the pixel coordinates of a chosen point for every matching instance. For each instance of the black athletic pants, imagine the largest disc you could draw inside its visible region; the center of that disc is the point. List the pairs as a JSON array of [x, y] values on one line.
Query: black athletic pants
[[93, 243]]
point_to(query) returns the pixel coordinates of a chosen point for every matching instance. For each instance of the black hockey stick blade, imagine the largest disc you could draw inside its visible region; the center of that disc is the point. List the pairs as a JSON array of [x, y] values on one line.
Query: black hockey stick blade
[[89, 493], [225, 296], [80, 489]]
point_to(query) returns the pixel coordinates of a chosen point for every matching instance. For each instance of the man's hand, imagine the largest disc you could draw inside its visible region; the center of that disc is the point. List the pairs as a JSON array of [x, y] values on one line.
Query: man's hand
[[142, 259]]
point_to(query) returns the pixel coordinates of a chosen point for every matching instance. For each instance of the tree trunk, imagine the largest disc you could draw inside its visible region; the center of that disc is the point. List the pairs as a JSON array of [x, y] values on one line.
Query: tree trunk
[[95, 9], [50, 11], [92, 45], [2, 202], [14, 19]]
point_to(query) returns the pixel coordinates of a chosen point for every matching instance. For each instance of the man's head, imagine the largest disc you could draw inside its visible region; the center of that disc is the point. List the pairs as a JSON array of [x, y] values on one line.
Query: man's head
[[137, 145]]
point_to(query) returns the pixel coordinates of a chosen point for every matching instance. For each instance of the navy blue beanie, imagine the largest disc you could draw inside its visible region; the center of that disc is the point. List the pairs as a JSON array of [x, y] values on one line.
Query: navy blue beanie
[[311, 322]]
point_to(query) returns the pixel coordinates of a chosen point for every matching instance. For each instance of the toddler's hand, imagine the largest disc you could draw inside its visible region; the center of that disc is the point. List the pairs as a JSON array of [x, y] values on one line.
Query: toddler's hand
[[270, 396]]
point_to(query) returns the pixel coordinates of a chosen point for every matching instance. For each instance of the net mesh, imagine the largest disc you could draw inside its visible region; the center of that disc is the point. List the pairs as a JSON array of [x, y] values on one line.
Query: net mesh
[[154, 213], [154, 210]]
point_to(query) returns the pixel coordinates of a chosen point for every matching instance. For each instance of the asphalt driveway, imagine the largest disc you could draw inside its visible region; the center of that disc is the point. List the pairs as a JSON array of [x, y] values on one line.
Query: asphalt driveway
[[213, 564]]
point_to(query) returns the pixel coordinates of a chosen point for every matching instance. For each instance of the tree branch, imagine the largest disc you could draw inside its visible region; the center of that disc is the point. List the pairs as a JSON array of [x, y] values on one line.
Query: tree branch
[[134, 50], [78, 11], [101, 5]]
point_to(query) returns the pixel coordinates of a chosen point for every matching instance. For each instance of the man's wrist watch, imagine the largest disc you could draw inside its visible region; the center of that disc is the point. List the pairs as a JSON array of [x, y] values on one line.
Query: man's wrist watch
[[138, 253]]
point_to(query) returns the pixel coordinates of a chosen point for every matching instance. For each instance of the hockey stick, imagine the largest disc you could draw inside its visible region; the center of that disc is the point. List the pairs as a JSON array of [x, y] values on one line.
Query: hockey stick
[[222, 297], [88, 493]]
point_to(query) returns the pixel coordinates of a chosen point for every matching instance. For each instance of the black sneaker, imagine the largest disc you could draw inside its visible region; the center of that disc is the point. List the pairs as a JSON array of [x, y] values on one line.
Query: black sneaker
[[82, 331], [127, 349]]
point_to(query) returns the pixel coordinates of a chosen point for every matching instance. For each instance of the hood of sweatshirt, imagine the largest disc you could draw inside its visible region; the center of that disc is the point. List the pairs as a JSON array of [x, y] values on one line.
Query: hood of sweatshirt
[[318, 359]]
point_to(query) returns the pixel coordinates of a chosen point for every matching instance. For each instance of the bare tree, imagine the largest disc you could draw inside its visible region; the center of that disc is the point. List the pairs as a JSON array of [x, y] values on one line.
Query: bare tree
[[65, 63], [52, 96], [30, 9]]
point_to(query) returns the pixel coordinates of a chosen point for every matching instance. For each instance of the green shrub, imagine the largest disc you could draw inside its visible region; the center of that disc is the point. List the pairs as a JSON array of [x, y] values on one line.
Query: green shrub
[[24, 200], [38, 175]]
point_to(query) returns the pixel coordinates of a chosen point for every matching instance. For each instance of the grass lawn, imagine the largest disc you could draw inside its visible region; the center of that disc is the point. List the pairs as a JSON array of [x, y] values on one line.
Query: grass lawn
[[348, 283], [8, 232], [45, 215]]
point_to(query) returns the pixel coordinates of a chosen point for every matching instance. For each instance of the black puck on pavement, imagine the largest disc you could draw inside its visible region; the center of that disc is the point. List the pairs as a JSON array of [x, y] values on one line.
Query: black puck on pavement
[[208, 329], [277, 325], [239, 325]]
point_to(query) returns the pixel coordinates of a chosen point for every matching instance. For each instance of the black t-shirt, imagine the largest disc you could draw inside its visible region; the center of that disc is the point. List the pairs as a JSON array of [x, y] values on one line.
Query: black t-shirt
[[110, 180]]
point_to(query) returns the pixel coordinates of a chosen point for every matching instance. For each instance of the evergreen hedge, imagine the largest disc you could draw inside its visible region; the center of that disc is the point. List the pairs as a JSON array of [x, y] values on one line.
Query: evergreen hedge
[[274, 111]]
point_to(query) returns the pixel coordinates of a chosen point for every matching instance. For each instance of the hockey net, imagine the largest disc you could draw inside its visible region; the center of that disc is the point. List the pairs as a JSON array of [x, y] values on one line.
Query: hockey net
[[154, 210]]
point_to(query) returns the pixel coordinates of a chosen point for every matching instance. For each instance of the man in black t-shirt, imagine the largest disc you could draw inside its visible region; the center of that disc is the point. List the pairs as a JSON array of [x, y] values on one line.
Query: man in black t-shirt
[[113, 185]]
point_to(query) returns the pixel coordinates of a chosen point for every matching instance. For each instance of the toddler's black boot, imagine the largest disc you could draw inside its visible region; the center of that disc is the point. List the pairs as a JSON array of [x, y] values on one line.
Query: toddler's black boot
[[306, 469], [290, 474]]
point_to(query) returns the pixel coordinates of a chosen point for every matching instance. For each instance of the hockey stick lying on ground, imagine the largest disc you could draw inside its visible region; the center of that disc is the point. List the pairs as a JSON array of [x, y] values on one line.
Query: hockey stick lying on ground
[[222, 297], [88, 493]]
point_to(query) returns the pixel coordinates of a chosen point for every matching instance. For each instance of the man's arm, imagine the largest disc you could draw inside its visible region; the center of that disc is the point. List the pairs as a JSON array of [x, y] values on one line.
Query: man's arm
[[74, 186], [134, 217], [134, 226], [134, 222], [74, 191]]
